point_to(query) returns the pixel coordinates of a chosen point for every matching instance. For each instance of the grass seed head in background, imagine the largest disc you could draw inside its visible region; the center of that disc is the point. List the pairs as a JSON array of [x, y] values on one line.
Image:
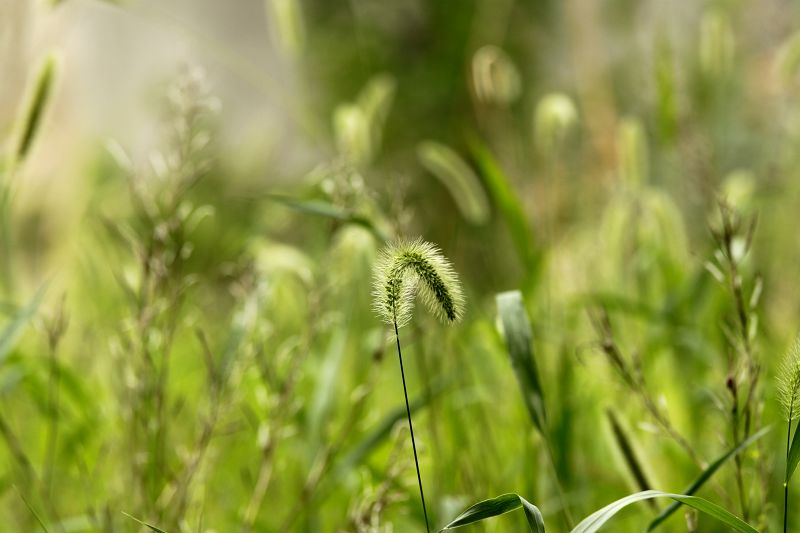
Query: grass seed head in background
[[406, 267]]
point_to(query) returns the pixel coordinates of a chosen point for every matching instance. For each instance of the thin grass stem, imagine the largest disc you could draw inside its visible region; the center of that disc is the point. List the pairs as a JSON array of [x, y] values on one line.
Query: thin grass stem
[[411, 426], [786, 477]]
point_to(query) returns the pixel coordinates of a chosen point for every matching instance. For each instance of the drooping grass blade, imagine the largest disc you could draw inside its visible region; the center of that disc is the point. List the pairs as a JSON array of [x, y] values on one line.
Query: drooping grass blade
[[706, 474], [502, 504]]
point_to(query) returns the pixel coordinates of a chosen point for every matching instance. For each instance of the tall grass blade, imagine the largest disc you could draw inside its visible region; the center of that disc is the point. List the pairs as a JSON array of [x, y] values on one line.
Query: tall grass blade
[[497, 506], [706, 474], [516, 330]]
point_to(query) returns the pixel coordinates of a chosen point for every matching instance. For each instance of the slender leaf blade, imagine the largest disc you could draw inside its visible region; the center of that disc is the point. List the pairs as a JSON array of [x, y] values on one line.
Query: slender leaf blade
[[505, 503], [597, 519], [145, 524], [704, 476]]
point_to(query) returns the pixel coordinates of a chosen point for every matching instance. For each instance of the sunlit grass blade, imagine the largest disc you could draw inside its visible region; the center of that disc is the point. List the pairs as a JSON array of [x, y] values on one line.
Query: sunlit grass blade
[[706, 474], [497, 506], [145, 524], [597, 519], [516, 330], [10, 333]]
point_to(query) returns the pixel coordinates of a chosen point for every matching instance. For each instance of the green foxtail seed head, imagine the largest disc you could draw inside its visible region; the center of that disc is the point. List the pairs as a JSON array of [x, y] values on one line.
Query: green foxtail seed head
[[789, 380], [405, 266]]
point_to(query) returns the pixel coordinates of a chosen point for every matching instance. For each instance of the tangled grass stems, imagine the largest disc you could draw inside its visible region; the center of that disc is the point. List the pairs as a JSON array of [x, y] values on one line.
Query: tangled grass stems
[[403, 269]]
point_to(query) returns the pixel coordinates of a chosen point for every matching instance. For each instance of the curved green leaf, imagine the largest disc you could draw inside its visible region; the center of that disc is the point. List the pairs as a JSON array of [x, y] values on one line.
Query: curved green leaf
[[596, 520], [502, 504], [695, 485], [145, 524]]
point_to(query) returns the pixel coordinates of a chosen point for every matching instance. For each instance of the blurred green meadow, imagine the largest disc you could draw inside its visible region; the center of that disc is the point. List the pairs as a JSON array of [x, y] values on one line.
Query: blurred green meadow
[[194, 195]]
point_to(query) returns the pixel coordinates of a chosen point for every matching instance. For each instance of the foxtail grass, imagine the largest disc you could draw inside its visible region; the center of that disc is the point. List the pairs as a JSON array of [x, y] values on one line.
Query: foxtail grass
[[789, 395], [404, 269]]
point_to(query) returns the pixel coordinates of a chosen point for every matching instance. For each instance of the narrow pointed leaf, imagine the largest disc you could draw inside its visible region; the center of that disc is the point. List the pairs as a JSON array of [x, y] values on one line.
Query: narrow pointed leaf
[[502, 504], [145, 524], [597, 519], [704, 476]]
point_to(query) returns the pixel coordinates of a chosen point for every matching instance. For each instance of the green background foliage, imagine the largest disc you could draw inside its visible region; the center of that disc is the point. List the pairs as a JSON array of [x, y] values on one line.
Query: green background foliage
[[193, 196]]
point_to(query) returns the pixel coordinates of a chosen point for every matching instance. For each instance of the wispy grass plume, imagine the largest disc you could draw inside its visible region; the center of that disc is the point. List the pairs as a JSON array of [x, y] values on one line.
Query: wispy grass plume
[[407, 267]]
